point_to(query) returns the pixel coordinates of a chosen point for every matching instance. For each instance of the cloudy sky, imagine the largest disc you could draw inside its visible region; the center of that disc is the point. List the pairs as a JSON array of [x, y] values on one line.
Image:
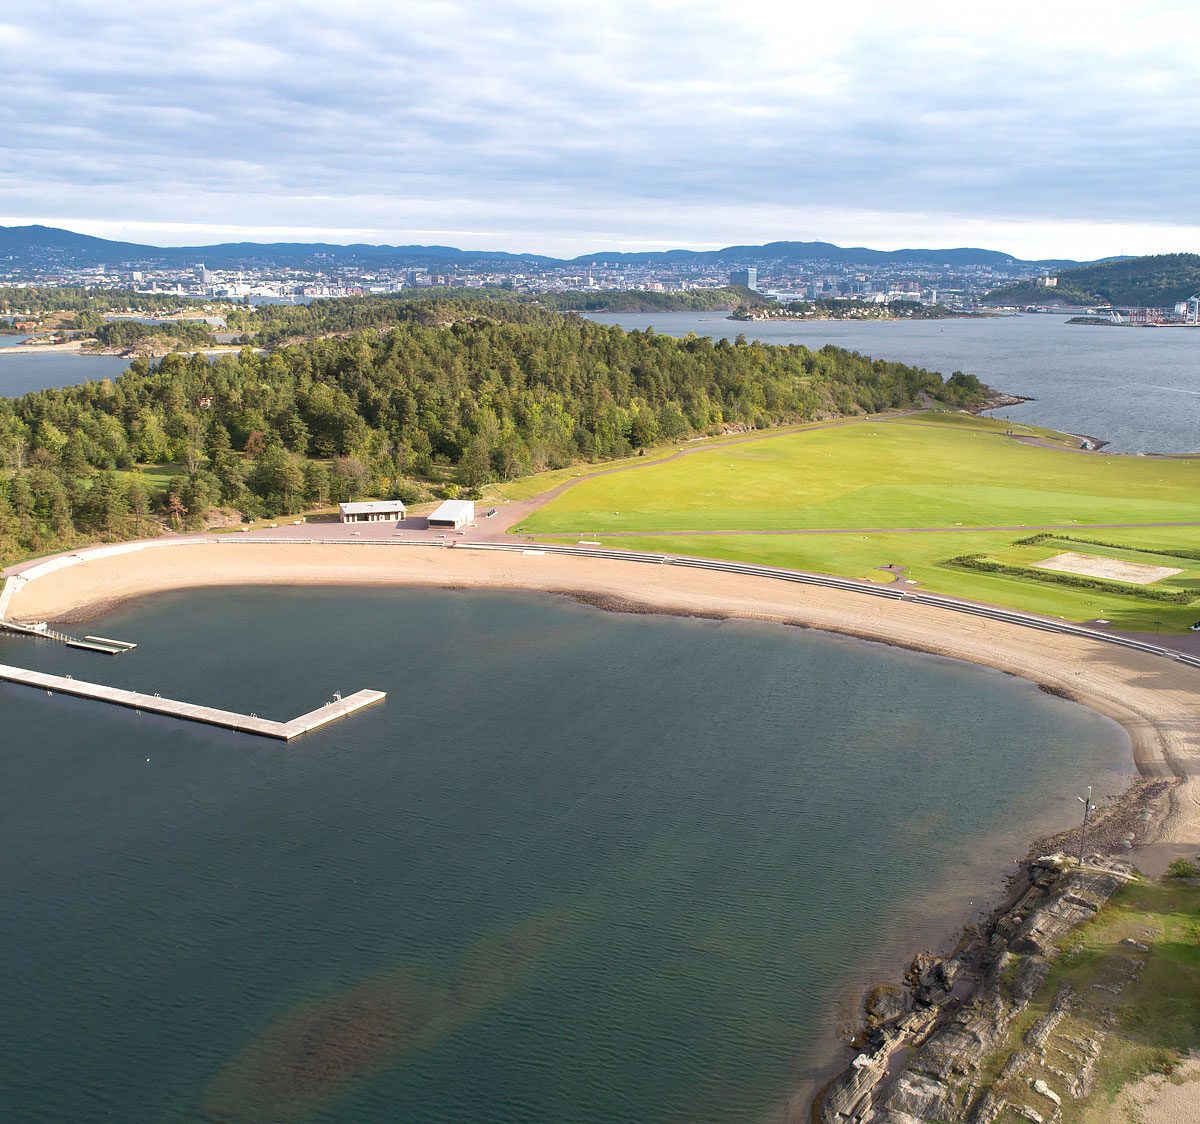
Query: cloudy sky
[[1045, 129]]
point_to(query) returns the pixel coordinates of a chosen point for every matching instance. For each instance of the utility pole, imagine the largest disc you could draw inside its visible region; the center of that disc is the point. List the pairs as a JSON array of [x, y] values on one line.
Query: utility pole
[[1088, 808]]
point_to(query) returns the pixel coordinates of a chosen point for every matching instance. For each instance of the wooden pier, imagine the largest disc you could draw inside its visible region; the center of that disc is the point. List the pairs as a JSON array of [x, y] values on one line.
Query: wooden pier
[[191, 712]]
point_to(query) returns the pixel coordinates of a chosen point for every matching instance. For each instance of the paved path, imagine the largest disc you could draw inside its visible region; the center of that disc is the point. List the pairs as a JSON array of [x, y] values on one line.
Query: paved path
[[957, 529]]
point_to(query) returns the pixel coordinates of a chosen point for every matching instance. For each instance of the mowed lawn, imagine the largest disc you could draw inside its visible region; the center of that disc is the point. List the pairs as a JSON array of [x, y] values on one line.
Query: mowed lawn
[[928, 471], [936, 472], [925, 557]]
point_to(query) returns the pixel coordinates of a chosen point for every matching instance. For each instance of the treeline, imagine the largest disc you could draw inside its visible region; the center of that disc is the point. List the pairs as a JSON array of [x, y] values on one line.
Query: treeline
[[276, 323], [271, 324], [399, 413], [124, 334], [1155, 281], [724, 299], [19, 300], [841, 308]]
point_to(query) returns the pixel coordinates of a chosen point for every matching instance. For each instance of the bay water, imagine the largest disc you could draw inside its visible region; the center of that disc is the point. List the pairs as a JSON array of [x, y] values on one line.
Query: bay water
[[23, 369], [578, 866], [1136, 388]]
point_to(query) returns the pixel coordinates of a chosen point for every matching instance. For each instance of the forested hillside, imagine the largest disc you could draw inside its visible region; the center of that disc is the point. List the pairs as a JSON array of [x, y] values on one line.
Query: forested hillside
[[180, 334], [269, 324], [420, 407], [21, 299], [640, 300], [1158, 281]]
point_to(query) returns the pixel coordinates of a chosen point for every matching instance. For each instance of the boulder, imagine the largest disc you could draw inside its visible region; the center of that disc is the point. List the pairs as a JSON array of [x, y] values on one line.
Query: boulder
[[885, 1004], [919, 1096]]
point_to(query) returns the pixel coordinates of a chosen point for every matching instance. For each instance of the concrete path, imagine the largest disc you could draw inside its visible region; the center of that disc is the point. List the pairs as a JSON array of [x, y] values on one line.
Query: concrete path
[[956, 529]]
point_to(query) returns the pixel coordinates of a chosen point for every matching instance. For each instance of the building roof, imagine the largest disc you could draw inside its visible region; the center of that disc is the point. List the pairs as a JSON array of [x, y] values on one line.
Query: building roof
[[453, 510], [371, 507]]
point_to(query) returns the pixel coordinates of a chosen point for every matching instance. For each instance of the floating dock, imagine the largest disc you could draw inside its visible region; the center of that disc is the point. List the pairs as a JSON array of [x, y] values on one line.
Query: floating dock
[[88, 644], [191, 712]]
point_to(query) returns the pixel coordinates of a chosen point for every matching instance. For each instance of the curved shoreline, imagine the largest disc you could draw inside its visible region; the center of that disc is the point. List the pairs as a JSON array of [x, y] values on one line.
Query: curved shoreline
[[1155, 700]]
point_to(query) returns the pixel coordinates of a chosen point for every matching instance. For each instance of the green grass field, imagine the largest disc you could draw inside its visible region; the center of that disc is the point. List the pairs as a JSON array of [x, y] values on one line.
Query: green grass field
[[937, 470]]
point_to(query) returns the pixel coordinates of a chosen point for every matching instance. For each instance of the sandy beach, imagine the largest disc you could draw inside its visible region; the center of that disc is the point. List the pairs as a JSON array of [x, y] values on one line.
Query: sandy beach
[[41, 348], [1156, 700]]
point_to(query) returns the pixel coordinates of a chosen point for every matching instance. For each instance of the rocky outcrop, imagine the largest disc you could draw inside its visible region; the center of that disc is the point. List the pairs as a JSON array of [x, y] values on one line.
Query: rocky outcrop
[[950, 1030]]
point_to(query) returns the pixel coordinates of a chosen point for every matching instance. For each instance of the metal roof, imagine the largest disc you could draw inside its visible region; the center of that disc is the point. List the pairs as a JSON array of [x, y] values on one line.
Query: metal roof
[[371, 507], [453, 510]]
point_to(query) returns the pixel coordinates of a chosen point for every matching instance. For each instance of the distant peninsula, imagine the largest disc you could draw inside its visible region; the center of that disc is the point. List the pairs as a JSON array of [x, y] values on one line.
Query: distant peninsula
[[724, 299], [1157, 281], [836, 309]]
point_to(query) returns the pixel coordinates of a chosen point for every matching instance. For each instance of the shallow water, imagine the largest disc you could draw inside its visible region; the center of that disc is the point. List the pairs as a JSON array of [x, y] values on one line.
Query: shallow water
[[1137, 388], [578, 865]]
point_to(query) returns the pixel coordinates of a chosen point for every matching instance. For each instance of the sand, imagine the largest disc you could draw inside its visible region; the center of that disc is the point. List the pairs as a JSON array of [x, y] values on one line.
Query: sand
[[25, 348], [1156, 700], [1112, 569], [1161, 1100]]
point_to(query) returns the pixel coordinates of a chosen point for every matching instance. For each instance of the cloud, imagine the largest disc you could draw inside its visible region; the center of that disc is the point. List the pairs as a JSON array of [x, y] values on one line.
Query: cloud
[[541, 125]]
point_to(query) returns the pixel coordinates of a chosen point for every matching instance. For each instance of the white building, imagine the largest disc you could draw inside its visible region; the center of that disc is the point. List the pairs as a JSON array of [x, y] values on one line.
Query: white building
[[371, 511], [453, 513]]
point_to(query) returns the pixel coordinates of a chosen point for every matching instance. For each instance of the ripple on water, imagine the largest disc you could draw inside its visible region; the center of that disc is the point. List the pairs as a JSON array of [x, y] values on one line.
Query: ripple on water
[[619, 868]]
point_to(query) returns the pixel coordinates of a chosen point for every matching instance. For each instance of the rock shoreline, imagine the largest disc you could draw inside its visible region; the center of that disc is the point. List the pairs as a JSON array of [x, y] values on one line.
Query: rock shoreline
[[923, 1041], [998, 401], [924, 1049]]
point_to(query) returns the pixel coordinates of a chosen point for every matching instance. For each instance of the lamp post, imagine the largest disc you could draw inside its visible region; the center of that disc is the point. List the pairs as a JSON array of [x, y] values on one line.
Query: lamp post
[[1088, 808]]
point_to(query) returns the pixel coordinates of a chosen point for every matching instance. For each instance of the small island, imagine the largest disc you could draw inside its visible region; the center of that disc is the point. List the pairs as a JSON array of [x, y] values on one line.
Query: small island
[[840, 309]]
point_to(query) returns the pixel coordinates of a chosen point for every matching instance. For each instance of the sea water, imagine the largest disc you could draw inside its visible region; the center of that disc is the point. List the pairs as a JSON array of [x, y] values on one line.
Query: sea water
[[1136, 388], [578, 866]]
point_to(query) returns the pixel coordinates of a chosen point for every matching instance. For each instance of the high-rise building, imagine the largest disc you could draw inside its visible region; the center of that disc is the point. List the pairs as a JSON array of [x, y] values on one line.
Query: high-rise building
[[747, 277]]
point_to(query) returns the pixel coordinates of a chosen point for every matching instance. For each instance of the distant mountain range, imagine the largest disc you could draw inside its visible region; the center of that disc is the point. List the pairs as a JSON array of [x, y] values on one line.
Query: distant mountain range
[[49, 248]]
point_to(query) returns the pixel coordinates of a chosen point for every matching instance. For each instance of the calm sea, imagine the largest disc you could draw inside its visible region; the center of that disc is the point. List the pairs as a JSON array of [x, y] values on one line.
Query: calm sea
[[579, 866], [1137, 388], [27, 370]]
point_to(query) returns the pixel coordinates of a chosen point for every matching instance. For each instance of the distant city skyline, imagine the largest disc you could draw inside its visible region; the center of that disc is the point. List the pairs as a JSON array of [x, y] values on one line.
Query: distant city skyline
[[528, 126]]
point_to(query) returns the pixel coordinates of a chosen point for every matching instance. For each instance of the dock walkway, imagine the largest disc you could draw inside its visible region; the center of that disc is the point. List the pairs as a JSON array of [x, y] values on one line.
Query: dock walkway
[[230, 720], [87, 644]]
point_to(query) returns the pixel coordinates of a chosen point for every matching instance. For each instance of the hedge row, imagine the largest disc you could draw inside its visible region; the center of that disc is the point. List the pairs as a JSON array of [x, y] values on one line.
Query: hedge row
[[1044, 537], [1078, 581]]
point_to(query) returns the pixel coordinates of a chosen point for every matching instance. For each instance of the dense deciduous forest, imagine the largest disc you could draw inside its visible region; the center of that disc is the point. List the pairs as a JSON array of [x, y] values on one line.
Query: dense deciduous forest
[[425, 405], [1157, 281]]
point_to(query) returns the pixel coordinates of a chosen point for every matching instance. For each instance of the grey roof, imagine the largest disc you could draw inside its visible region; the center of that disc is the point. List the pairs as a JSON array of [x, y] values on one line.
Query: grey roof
[[453, 510], [371, 507]]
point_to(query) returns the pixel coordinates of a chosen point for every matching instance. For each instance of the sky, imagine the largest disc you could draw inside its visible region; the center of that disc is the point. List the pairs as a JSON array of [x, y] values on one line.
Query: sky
[[1058, 129]]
